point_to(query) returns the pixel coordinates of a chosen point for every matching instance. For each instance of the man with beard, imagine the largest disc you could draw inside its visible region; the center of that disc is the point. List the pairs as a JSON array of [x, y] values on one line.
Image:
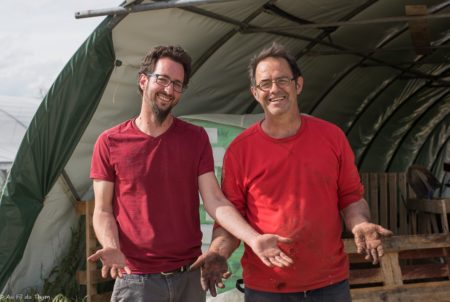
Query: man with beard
[[147, 174]]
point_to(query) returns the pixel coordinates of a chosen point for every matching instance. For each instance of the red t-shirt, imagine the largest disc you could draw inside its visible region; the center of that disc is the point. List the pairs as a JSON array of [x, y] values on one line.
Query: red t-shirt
[[294, 187], [156, 201]]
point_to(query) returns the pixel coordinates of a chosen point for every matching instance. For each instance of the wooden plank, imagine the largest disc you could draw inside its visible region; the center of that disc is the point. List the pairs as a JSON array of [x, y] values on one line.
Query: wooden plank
[[80, 276], [429, 291], [356, 258], [365, 276], [404, 228], [435, 206], [383, 197], [444, 220], [406, 242], [420, 32], [391, 269], [447, 258], [91, 288], [393, 203], [424, 253], [373, 197], [424, 271], [365, 183], [423, 223], [96, 277], [80, 207], [104, 297], [408, 272]]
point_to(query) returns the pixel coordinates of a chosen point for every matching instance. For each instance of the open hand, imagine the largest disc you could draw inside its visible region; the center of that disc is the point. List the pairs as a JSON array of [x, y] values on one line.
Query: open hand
[[367, 240], [214, 269], [113, 261], [266, 248]]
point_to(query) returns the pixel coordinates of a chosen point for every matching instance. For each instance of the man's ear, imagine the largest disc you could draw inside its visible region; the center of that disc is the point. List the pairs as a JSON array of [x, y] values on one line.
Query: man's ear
[[143, 80], [299, 85], [253, 91]]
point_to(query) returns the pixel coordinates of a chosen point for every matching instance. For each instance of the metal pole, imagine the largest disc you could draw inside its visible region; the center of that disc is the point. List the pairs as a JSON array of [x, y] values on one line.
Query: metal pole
[[144, 7], [354, 22]]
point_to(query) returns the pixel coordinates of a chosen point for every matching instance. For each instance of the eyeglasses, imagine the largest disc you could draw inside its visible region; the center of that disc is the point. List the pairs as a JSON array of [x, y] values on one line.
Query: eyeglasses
[[282, 82], [166, 81]]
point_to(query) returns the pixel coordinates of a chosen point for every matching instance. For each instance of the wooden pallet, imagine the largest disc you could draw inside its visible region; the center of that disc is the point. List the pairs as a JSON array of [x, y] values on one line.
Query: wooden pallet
[[414, 268], [393, 205], [92, 275], [387, 194]]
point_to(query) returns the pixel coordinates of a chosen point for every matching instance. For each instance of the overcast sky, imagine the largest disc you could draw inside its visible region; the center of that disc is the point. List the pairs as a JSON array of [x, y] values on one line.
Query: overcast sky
[[38, 38]]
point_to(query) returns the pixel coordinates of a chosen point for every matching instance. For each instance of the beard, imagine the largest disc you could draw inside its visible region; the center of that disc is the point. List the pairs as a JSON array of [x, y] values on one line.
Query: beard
[[160, 114]]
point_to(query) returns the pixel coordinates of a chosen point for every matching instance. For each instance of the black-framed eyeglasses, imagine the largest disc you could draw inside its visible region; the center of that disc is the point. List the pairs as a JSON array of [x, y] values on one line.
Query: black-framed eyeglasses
[[166, 81], [281, 82]]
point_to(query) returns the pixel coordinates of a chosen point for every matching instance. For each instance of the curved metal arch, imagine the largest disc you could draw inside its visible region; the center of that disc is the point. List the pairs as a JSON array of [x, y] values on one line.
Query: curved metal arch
[[321, 98], [377, 131], [439, 154], [226, 37], [425, 142], [14, 118], [252, 29], [413, 125], [378, 93]]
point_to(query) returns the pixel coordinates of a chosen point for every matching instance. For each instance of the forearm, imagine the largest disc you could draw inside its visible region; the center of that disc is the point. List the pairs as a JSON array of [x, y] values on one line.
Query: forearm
[[223, 243], [105, 227], [356, 213], [218, 207], [232, 221]]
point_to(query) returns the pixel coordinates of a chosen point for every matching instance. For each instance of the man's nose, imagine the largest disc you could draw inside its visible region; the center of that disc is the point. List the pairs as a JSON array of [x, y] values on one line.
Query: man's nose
[[169, 88]]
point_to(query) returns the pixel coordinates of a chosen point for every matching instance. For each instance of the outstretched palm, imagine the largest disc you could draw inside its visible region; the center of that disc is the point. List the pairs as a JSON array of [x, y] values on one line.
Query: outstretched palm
[[266, 248]]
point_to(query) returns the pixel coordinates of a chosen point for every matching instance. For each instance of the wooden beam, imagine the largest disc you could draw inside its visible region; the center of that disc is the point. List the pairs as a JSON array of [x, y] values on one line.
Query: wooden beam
[[435, 206], [430, 291], [96, 277], [105, 297], [390, 266], [406, 242], [365, 276], [425, 271], [420, 33]]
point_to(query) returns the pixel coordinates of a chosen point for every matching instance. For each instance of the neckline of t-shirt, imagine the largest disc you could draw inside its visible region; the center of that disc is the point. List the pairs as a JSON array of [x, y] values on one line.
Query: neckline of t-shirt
[[136, 128], [299, 132]]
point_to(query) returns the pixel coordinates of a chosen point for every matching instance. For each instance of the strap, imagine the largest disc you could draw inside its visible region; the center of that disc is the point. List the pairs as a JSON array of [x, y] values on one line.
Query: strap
[[239, 283]]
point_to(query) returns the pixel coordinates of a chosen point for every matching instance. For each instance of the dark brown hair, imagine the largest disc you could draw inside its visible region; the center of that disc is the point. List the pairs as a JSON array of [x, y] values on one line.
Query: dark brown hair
[[175, 53], [276, 50]]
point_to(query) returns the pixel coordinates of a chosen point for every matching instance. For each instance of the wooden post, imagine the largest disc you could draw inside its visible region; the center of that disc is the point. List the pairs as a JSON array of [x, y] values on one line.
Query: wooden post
[[391, 269], [91, 245]]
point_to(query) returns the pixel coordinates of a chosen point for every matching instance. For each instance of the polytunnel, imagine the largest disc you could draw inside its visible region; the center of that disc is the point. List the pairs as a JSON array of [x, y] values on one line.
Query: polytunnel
[[379, 69]]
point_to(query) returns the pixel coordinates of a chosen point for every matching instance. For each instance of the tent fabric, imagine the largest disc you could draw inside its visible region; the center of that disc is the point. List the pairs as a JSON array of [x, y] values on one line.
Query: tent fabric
[[15, 116], [49, 142], [361, 71]]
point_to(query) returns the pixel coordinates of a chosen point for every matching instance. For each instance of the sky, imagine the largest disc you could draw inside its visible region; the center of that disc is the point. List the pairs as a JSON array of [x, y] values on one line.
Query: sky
[[38, 38]]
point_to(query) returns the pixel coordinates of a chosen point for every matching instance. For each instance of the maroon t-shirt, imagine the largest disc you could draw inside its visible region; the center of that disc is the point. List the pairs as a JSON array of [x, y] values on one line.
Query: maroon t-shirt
[[156, 201]]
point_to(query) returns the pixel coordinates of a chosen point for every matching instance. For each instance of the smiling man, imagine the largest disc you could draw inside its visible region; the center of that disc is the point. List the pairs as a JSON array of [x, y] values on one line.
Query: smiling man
[[293, 175], [147, 174]]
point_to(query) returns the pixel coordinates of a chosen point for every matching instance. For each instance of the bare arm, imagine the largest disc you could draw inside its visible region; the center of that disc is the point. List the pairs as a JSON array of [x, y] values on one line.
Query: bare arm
[[367, 235], [105, 227], [264, 246], [356, 213]]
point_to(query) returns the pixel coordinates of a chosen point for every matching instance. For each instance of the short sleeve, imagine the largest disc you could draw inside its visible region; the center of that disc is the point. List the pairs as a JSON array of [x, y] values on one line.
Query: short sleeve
[[101, 166], [206, 163], [232, 182], [350, 187]]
